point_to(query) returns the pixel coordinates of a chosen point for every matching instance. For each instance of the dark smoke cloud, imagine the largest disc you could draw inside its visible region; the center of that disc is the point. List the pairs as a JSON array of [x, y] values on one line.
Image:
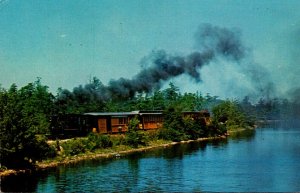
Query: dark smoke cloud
[[220, 40], [219, 47], [212, 42]]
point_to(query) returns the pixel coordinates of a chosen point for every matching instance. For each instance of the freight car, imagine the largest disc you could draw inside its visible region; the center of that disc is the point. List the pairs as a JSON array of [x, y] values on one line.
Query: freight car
[[112, 122]]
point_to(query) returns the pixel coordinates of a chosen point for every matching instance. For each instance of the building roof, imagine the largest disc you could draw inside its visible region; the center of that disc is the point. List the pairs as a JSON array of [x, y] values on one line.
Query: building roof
[[111, 113], [119, 114], [150, 112]]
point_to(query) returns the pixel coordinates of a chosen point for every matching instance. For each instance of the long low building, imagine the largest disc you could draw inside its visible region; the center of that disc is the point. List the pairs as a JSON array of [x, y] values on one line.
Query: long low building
[[113, 122]]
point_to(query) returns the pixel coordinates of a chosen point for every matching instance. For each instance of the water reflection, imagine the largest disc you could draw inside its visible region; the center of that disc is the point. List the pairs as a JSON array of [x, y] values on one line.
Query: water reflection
[[247, 135], [68, 178], [246, 161], [27, 182]]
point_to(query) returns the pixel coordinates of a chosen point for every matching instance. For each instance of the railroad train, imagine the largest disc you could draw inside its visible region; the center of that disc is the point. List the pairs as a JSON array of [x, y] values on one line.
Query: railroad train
[[68, 125]]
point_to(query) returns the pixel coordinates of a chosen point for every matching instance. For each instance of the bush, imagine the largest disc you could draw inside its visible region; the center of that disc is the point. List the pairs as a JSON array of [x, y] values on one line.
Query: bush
[[118, 140], [152, 135], [26, 152], [229, 114], [74, 147], [40, 149], [136, 138], [96, 141], [192, 129], [170, 134]]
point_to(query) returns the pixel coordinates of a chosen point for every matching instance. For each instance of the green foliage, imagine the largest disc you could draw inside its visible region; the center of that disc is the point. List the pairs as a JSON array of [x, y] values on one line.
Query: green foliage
[[24, 113], [151, 135], [134, 137], [177, 127], [118, 140], [173, 126], [171, 94], [93, 142], [37, 106], [229, 113], [217, 128], [39, 149], [190, 102], [158, 100], [74, 147], [96, 141], [194, 129], [170, 134]]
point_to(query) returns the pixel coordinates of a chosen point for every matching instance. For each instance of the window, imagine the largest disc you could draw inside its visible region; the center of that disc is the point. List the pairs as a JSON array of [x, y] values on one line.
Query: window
[[123, 120], [119, 120], [153, 118]]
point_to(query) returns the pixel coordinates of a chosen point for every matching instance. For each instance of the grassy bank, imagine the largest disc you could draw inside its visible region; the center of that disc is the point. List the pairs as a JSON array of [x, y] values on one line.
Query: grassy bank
[[101, 153], [96, 146], [115, 151]]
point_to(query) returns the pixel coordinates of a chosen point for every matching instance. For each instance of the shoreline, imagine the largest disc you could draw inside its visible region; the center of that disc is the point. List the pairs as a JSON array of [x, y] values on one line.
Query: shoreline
[[43, 165]]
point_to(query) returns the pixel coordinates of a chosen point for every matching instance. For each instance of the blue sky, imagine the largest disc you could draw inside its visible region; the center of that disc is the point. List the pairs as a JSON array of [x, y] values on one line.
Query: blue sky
[[68, 42]]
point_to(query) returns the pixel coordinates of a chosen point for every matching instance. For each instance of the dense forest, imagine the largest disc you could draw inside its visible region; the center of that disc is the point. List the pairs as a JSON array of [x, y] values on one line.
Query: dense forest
[[25, 115]]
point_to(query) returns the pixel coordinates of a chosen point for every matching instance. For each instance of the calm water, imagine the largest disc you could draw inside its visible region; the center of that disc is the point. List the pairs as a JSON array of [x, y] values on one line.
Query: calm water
[[261, 160]]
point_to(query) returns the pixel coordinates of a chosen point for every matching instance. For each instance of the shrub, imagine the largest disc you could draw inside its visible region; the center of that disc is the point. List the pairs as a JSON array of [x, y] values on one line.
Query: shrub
[[74, 147], [229, 114], [135, 138], [96, 141], [40, 149], [152, 135], [171, 134], [118, 140]]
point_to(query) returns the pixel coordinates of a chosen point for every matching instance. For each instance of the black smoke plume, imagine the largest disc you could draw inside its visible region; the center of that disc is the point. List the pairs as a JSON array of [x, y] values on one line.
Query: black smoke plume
[[211, 42]]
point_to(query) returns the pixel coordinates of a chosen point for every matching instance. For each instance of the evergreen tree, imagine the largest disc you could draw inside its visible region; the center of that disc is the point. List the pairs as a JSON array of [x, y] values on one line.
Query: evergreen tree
[[134, 137], [173, 126]]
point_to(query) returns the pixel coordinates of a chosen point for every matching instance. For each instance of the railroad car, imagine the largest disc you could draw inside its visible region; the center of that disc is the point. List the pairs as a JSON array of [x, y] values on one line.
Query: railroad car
[[113, 122]]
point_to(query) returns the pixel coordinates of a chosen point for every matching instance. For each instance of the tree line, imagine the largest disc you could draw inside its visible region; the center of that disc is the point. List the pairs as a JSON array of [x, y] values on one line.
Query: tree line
[[25, 115]]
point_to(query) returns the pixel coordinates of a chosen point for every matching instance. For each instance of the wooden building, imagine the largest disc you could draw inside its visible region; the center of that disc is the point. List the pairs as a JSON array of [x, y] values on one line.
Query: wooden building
[[113, 122], [68, 125], [110, 122], [116, 122]]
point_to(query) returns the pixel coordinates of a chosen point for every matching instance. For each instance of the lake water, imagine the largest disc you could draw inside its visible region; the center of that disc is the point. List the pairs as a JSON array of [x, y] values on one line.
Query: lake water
[[262, 160]]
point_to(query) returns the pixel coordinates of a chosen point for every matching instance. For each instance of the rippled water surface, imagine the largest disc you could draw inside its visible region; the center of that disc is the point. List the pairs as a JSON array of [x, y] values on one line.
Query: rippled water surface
[[261, 160]]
